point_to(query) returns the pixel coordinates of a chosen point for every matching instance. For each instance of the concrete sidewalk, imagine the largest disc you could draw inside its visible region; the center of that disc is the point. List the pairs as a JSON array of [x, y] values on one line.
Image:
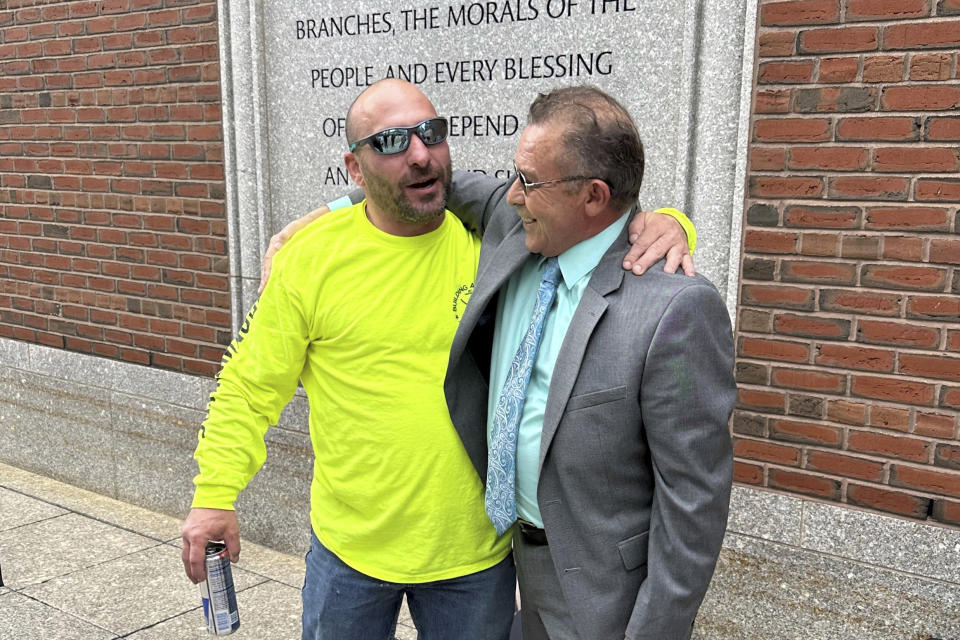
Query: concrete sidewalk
[[80, 566]]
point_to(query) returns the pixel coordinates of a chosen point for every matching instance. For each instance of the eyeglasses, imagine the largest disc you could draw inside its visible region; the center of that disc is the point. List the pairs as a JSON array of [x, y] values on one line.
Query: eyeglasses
[[526, 185], [397, 139]]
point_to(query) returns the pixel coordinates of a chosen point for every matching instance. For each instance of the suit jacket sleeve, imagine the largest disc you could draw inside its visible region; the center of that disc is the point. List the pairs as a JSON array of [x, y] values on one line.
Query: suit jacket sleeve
[[687, 395], [474, 198]]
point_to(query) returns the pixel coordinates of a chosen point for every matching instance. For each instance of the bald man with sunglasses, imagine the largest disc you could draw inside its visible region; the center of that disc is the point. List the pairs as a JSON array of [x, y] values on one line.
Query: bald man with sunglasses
[[362, 308]]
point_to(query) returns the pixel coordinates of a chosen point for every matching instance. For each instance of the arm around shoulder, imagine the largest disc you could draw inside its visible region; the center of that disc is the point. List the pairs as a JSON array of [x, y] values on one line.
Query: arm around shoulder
[[283, 236], [653, 235], [475, 198]]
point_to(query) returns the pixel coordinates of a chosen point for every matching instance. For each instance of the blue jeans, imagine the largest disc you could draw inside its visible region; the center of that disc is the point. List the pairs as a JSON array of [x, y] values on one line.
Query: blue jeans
[[340, 603]]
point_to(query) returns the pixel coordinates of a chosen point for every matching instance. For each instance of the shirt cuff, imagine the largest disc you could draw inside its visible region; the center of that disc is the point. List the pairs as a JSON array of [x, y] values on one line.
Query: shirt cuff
[[344, 201], [214, 497], [684, 221]]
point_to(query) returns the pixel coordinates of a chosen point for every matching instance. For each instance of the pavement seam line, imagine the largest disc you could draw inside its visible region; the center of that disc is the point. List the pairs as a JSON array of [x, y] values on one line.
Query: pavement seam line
[[86, 515], [66, 613]]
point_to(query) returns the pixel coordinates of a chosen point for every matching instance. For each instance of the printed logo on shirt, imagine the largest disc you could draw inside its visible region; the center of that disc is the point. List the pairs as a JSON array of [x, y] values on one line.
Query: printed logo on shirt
[[461, 298], [232, 349], [228, 354]]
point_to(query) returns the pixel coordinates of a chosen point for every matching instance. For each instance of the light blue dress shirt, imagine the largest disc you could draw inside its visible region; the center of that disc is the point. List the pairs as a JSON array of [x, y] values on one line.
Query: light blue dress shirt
[[514, 309]]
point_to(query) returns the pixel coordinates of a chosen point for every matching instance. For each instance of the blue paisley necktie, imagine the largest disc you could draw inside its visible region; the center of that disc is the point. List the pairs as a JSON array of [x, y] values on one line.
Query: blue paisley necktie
[[500, 499]]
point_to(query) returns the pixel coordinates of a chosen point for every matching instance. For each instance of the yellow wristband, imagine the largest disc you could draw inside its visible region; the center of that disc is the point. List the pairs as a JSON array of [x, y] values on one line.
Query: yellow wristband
[[684, 221]]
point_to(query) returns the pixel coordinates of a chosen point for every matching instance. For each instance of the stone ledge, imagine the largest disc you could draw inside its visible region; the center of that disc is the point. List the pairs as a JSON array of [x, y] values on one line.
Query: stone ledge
[[886, 542]]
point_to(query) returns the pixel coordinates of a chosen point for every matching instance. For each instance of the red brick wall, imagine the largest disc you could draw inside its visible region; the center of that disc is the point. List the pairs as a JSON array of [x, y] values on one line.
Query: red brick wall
[[112, 221], [849, 320]]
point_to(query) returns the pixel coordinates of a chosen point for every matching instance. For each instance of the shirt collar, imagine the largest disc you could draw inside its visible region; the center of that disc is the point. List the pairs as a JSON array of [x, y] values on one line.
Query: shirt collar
[[583, 257]]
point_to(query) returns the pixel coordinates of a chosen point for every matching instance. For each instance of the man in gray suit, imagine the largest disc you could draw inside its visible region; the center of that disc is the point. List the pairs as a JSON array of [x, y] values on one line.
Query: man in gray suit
[[623, 466], [620, 445]]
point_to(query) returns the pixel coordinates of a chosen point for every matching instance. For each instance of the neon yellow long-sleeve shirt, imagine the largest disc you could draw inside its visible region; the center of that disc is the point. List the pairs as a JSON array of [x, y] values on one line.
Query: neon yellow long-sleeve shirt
[[365, 320]]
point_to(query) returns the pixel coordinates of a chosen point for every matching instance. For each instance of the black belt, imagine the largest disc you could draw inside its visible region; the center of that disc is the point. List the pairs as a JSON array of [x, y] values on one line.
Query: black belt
[[532, 534]]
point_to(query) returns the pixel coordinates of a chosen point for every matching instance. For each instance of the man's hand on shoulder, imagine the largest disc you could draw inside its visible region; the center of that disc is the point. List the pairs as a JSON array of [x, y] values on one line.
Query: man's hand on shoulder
[[280, 238], [654, 235], [202, 526]]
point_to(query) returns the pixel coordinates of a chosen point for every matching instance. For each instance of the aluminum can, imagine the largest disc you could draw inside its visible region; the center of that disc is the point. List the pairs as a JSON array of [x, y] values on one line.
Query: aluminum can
[[217, 592]]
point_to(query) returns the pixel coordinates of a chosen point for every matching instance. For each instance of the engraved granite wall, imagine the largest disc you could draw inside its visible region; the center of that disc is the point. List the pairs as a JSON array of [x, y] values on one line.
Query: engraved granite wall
[[291, 70]]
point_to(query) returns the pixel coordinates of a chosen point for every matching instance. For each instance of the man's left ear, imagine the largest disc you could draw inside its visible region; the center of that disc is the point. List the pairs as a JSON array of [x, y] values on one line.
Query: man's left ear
[[597, 198], [353, 167]]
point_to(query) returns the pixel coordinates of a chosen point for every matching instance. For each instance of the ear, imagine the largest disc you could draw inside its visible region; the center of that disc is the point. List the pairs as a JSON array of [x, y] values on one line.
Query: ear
[[597, 198], [353, 167]]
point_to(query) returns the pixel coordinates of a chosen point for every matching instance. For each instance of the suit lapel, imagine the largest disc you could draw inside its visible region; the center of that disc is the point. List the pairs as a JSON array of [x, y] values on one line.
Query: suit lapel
[[507, 257], [606, 278], [493, 272], [498, 260]]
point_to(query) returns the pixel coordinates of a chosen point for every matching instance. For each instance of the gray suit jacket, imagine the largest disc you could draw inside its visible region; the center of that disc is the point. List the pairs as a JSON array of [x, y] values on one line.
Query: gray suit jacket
[[635, 459]]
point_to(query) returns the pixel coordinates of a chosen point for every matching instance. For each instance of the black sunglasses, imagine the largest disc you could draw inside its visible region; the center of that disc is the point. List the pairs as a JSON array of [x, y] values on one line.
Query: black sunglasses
[[397, 139]]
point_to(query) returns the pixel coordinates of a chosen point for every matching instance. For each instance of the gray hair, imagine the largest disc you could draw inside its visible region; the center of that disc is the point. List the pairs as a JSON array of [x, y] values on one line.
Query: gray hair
[[600, 138]]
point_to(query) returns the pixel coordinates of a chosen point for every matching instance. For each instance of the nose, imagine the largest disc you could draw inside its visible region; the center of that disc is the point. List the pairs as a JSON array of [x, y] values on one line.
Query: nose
[[515, 193], [417, 152]]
